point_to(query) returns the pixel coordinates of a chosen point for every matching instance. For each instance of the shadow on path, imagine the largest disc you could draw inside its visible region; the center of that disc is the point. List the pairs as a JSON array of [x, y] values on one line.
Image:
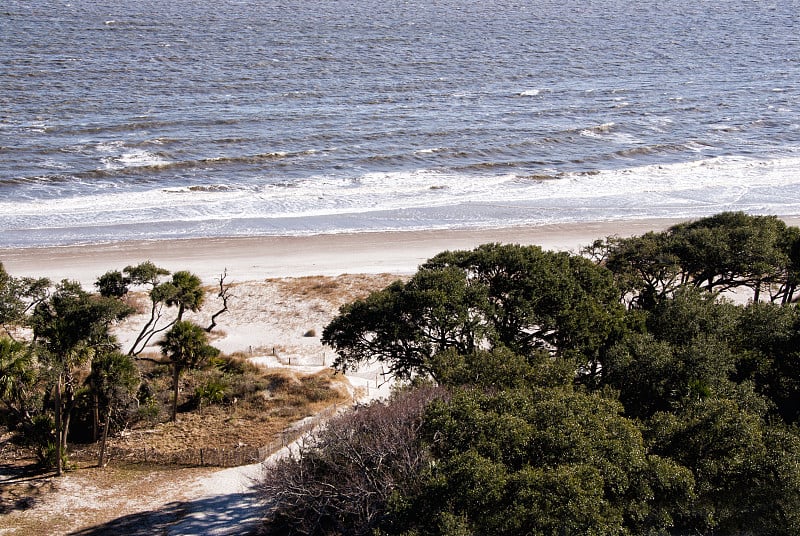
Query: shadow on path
[[21, 486], [220, 515]]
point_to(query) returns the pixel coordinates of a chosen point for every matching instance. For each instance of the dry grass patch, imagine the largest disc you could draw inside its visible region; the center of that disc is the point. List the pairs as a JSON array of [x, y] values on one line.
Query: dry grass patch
[[257, 405], [335, 290]]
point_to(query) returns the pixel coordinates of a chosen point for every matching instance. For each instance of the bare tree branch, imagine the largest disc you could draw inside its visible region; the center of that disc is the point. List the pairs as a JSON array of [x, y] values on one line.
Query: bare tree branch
[[223, 294]]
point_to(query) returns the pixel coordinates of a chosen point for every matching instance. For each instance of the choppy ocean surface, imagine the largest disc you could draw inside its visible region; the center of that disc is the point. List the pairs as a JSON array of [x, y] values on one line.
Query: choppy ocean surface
[[193, 118]]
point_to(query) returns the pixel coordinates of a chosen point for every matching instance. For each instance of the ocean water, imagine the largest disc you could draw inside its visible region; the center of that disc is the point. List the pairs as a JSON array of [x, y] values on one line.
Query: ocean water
[[193, 118]]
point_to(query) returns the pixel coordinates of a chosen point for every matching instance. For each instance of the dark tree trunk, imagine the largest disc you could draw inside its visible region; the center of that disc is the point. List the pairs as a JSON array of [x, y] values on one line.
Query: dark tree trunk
[[222, 294], [57, 402], [95, 417], [102, 461], [176, 376]]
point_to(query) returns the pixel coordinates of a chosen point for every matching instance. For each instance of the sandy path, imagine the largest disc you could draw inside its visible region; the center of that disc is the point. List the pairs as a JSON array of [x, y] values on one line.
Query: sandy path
[[147, 501], [227, 502]]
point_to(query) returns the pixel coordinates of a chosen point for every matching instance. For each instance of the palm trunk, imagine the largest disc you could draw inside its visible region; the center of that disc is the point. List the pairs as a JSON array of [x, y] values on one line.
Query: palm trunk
[[65, 405], [102, 461], [176, 375], [57, 402], [68, 403], [95, 417]]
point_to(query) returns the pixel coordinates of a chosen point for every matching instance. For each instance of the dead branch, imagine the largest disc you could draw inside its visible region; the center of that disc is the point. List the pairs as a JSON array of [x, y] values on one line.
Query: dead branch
[[224, 294]]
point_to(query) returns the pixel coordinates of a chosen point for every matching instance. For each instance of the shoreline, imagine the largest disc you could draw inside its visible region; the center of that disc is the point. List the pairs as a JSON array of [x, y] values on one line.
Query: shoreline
[[262, 257]]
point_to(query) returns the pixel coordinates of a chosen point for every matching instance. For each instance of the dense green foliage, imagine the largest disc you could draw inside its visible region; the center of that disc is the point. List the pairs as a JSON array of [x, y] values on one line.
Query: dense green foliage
[[70, 328], [731, 250], [521, 298], [114, 379], [549, 393], [566, 412], [58, 358]]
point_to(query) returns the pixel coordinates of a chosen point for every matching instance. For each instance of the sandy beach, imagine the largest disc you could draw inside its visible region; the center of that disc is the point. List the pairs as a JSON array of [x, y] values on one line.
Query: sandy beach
[[285, 287], [270, 307], [255, 258]]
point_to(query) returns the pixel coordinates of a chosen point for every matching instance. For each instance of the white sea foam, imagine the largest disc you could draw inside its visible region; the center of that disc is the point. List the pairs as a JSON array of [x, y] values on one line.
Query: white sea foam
[[134, 158], [597, 130], [429, 198], [505, 106]]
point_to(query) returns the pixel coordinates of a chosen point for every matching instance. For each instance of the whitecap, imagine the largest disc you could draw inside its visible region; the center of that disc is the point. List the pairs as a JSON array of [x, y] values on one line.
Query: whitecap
[[133, 159], [596, 130]]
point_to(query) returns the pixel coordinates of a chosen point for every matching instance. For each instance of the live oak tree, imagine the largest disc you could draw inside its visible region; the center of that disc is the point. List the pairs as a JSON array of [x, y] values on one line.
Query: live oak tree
[[727, 251], [676, 416], [536, 299], [645, 268], [731, 250], [18, 296], [540, 461], [519, 297], [715, 387], [768, 339], [746, 472], [405, 325]]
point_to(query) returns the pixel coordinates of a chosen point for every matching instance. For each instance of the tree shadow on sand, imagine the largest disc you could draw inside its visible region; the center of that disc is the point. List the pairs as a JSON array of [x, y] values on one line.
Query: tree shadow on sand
[[229, 514], [21, 486]]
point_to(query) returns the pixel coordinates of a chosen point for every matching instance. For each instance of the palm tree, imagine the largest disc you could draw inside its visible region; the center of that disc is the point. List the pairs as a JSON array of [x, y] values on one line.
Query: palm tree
[[69, 329], [17, 374], [113, 379], [186, 346], [187, 292]]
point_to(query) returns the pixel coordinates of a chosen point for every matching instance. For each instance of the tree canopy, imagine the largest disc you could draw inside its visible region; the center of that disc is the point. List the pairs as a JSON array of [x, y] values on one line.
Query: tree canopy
[[69, 329], [731, 250], [186, 347], [18, 296], [183, 291], [616, 393], [519, 297]]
